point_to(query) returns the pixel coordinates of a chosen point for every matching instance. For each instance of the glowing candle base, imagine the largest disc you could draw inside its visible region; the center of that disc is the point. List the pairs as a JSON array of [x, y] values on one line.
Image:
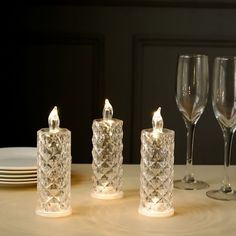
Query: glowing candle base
[[107, 156], [54, 214], [54, 171], [157, 172], [158, 211], [106, 195]]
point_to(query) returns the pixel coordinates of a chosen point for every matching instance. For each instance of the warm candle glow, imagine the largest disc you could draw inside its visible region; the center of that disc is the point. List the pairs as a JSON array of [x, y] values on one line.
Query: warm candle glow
[[157, 163], [107, 110], [53, 120], [53, 156], [157, 122], [107, 155]]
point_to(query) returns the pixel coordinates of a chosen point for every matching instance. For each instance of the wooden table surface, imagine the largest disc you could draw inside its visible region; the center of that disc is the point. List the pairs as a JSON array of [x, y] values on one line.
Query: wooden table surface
[[195, 214]]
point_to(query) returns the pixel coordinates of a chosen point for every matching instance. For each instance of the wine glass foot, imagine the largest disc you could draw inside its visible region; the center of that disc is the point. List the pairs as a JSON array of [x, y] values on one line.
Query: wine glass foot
[[195, 185], [220, 195]]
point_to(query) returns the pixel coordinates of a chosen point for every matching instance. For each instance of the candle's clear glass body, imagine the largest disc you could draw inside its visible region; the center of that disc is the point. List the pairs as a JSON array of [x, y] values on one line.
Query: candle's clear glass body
[[107, 158], [157, 173], [54, 173]]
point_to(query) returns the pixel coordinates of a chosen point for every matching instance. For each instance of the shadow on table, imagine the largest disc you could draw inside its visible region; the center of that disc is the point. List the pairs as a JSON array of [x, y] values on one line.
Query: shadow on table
[[76, 178], [131, 193], [19, 187], [191, 208]]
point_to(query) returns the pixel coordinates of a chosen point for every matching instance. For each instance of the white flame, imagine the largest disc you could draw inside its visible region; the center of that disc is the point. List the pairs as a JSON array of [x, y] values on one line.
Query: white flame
[[53, 120], [157, 122], [107, 110]]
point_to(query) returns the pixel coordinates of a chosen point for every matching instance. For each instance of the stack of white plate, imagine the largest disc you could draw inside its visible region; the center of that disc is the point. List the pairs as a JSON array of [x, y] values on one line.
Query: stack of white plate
[[18, 165]]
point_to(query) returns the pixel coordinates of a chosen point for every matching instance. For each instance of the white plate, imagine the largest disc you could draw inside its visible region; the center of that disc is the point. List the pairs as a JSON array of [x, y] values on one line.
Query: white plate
[[18, 183], [14, 172], [18, 176], [18, 180], [18, 158]]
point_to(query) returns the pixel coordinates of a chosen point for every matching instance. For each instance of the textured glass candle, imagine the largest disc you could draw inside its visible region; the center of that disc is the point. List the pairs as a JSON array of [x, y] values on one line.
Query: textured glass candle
[[157, 169], [54, 169], [107, 155]]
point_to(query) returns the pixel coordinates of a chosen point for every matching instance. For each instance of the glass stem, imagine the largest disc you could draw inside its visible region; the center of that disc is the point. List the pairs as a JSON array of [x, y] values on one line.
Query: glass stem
[[189, 176], [228, 138]]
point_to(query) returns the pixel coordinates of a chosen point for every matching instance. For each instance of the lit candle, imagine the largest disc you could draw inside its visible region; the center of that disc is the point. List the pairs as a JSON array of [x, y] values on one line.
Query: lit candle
[[157, 169], [107, 155], [54, 169]]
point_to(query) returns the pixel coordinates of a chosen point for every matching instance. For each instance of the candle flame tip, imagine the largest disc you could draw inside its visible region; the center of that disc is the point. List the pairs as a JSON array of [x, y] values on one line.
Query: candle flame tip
[[53, 120], [157, 121], [107, 110]]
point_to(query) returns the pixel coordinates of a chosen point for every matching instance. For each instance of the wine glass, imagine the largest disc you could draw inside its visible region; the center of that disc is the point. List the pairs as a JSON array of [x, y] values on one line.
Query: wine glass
[[224, 106], [192, 87]]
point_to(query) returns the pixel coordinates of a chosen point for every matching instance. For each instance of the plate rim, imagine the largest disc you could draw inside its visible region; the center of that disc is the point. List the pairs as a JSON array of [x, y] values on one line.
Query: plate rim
[[18, 171], [19, 176], [18, 180], [19, 168], [18, 183]]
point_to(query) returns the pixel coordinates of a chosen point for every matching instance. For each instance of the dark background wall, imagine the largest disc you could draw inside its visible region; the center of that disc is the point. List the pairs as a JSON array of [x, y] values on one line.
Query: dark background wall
[[74, 54]]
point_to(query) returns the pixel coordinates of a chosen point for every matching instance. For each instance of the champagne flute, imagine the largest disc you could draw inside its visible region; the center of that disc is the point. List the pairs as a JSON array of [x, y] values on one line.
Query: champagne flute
[[192, 87], [224, 106]]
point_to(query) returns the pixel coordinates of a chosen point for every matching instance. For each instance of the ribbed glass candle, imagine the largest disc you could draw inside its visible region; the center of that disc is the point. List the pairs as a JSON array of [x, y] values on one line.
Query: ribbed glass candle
[[54, 169], [107, 156], [157, 171]]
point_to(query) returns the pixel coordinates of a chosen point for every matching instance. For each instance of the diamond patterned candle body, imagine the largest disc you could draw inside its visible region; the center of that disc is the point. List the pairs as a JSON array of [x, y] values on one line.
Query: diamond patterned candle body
[[54, 172], [157, 173], [107, 157]]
